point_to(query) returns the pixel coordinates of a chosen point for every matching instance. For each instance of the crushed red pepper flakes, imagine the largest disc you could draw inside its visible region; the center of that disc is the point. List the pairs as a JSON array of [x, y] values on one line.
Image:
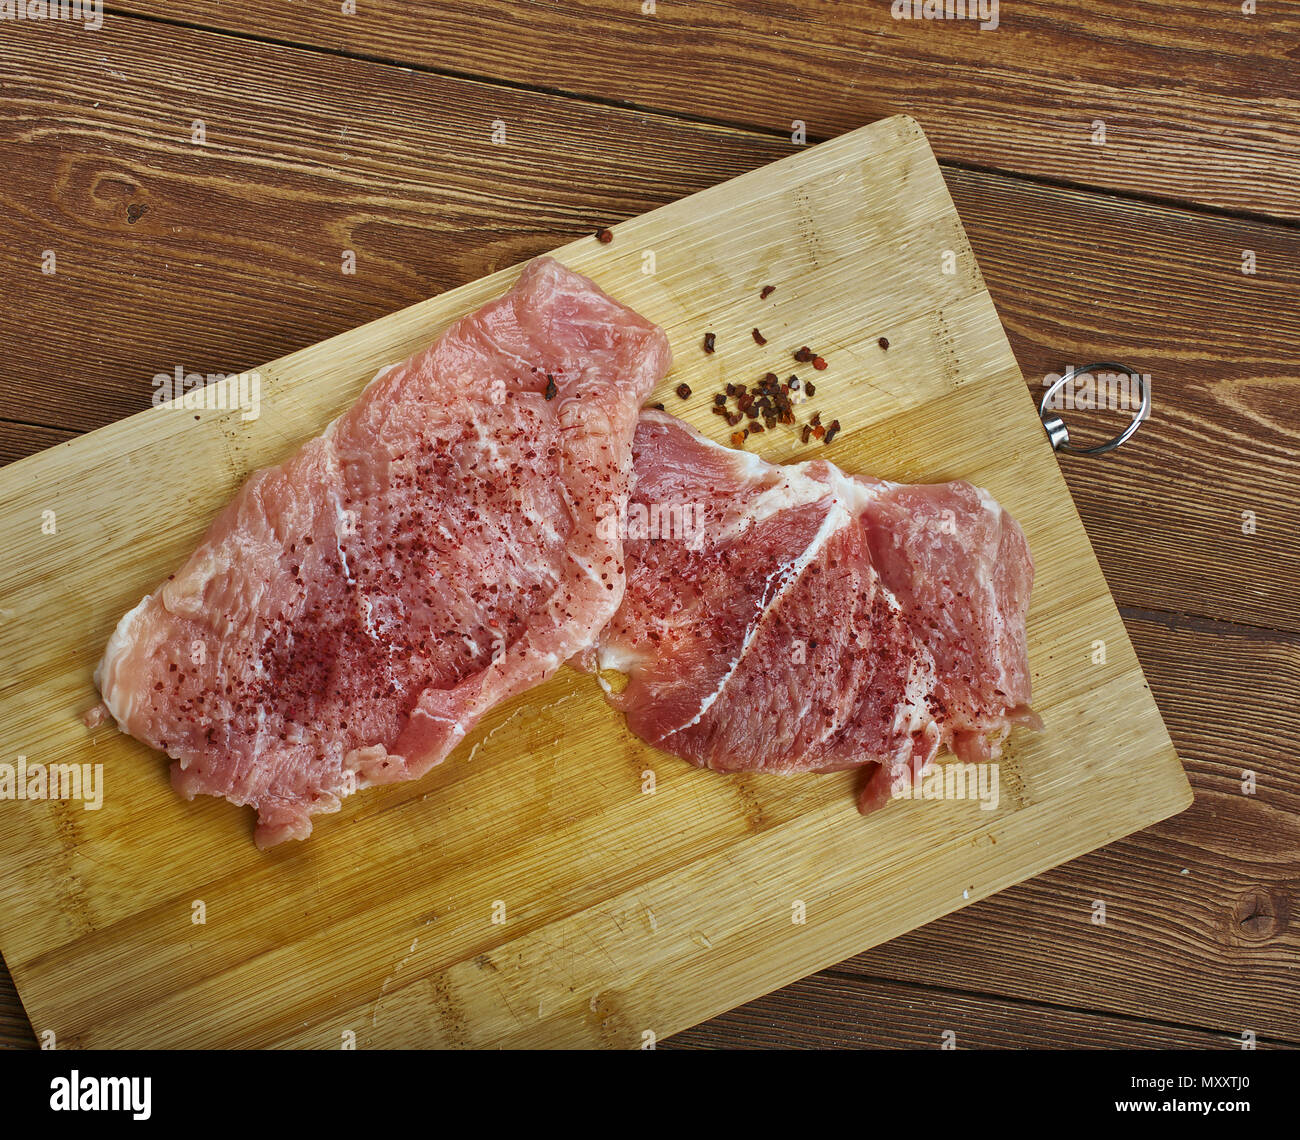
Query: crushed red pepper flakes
[[771, 401], [604, 236], [684, 391], [710, 340]]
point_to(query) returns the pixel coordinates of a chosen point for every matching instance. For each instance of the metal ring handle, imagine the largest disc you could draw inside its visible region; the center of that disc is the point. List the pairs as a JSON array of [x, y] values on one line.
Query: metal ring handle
[[1059, 435]]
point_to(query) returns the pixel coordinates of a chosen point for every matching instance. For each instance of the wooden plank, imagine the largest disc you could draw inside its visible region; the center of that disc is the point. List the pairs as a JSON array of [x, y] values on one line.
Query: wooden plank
[[831, 1011], [17, 441], [1198, 99], [15, 1029], [217, 258], [1201, 909], [1079, 278], [297, 170], [334, 935]]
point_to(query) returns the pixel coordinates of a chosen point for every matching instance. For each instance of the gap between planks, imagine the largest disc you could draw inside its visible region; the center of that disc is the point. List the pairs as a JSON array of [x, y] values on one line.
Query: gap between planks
[[848, 976], [739, 126]]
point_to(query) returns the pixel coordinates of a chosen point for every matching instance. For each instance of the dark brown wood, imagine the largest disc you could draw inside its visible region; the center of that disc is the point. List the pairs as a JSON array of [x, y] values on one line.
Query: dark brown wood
[[15, 1030], [235, 253], [834, 1011], [1079, 278], [1198, 98], [1201, 911], [17, 441]]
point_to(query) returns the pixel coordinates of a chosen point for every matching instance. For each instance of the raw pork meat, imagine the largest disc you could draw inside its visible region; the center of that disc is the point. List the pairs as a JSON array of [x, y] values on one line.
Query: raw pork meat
[[443, 546], [813, 621]]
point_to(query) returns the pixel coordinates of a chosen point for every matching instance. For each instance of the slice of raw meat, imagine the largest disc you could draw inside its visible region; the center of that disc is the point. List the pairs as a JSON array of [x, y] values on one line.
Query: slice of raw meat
[[961, 570], [811, 621], [443, 546]]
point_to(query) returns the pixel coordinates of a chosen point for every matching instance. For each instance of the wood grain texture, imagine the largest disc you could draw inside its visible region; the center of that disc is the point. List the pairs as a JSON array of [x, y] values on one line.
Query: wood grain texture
[[17, 441], [630, 912], [1201, 910], [15, 1029], [1078, 278], [1199, 99], [833, 1011], [222, 256]]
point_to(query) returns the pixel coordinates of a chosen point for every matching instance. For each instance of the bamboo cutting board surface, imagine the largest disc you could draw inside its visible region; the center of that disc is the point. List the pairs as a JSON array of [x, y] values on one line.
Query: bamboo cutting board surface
[[529, 892]]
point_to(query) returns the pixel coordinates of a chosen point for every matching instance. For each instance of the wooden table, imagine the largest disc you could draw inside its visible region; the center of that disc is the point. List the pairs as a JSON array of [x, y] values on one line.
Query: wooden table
[[198, 170]]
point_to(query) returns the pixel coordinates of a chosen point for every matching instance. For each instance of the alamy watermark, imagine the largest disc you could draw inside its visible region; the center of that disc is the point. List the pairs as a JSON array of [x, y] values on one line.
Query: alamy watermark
[[77, 1093], [676, 522], [956, 781], [91, 15], [985, 11], [1095, 391], [23, 781], [215, 391]]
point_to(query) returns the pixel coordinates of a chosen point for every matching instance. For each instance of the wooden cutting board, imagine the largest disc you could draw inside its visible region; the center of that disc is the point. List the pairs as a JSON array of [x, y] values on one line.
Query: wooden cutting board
[[530, 891]]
